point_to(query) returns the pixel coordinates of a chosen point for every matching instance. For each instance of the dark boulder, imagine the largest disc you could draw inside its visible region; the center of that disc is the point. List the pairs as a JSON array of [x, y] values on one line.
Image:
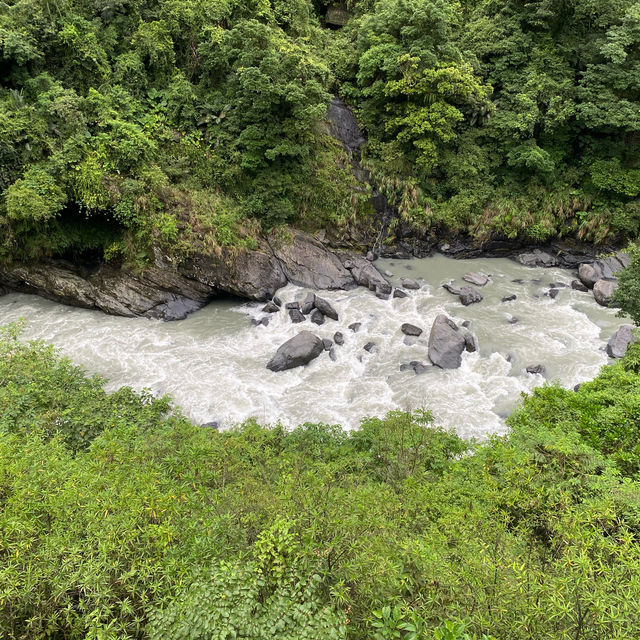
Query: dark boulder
[[332, 354], [317, 317], [470, 343], [297, 352], [411, 329], [579, 286], [277, 301], [537, 369], [620, 341], [326, 308], [338, 338], [271, 307], [446, 344], [308, 304], [214, 424], [553, 293], [510, 298], [371, 347], [327, 344], [469, 295], [355, 327], [399, 293], [296, 316], [292, 305]]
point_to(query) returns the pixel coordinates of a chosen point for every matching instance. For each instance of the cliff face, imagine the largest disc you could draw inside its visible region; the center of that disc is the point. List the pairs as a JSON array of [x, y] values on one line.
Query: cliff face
[[171, 292]]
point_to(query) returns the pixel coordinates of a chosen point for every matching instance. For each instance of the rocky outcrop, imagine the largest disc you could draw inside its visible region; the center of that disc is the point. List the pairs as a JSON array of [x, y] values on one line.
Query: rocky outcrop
[[297, 352], [154, 293], [171, 291], [306, 262], [620, 341], [446, 343], [537, 258]]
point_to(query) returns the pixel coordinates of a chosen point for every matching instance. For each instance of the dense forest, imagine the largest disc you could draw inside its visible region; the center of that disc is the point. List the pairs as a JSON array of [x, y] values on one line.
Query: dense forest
[[128, 124]]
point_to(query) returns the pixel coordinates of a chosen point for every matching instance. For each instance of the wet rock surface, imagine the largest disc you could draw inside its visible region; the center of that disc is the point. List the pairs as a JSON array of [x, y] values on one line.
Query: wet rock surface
[[171, 292], [297, 352], [446, 344]]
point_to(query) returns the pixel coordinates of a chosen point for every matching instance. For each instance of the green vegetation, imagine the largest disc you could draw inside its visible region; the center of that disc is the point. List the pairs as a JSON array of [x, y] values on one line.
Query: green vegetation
[[120, 519], [193, 123]]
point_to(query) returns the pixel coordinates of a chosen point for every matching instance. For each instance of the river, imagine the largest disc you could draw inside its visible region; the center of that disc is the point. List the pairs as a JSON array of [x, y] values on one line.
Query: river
[[213, 363]]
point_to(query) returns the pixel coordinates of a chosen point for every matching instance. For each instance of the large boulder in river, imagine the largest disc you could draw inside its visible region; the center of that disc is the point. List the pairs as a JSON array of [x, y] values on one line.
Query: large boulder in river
[[446, 343], [603, 291], [297, 352], [620, 341], [589, 274]]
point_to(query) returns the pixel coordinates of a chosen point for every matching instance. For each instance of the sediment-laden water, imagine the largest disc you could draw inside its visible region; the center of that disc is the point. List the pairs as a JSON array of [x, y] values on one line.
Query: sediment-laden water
[[213, 363]]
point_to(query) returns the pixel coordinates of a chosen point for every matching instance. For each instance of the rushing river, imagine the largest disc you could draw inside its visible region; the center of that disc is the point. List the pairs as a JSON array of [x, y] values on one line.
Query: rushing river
[[213, 363]]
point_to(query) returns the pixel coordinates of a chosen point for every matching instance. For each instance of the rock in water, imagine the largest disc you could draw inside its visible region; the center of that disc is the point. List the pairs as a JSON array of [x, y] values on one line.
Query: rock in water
[[296, 316], [407, 283], [297, 352], [510, 298], [470, 343], [317, 317], [446, 344], [620, 341], [469, 295], [479, 279], [451, 288], [326, 308], [589, 274], [292, 305], [579, 286], [327, 344], [537, 369], [603, 291], [355, 327], [411, 329], [338, 338], [399, 293], [308, 304], [371, 347], [271, 307]]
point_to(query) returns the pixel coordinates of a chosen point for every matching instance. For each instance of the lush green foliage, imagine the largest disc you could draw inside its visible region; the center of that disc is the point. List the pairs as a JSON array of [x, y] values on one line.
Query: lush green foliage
[[191, 123], [628, 293], [177, 118], [513, 117], [161, 529]]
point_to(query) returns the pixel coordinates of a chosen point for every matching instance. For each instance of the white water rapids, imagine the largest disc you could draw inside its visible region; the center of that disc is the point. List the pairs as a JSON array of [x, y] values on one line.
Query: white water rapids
[[213, 363]]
